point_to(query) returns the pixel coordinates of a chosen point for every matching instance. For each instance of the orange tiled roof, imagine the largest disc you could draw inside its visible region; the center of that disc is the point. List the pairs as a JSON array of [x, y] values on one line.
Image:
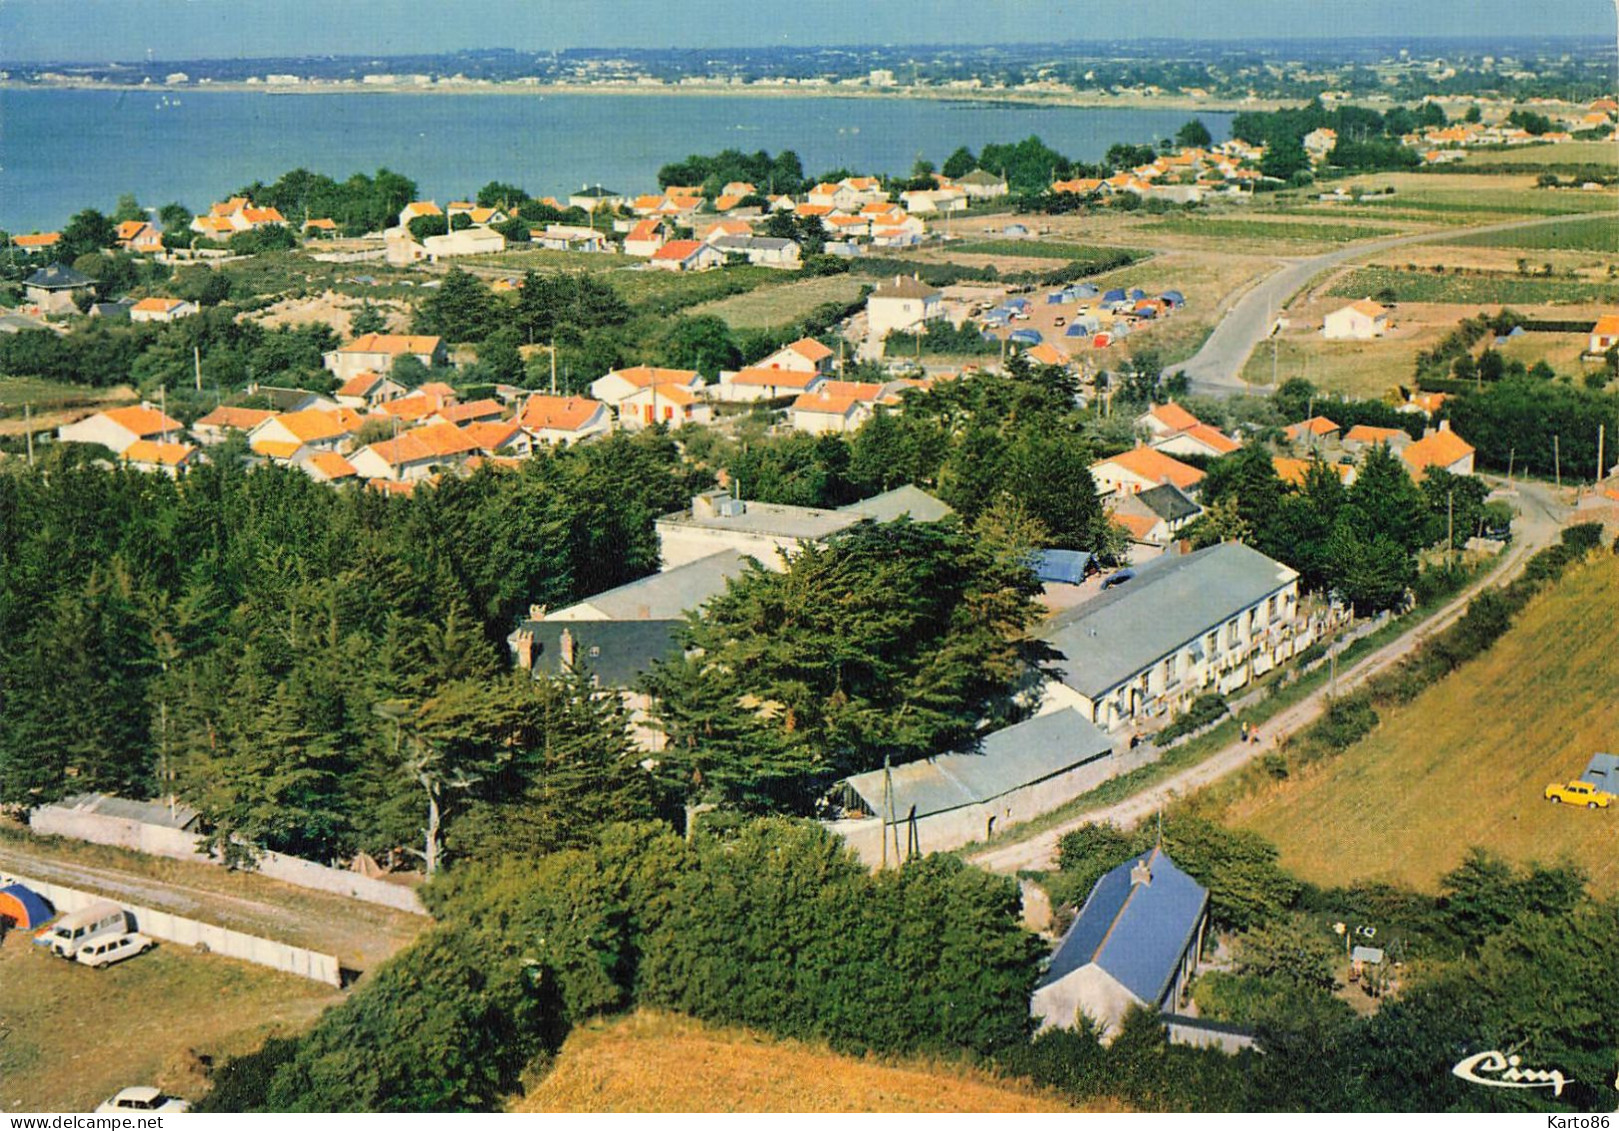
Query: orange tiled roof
[[360, 384], [444, 439], [277, 449], [642, 376], [39, 239], [1046, 354], [1156, 466], [239, 418], [645, 230], [810, 349], [1212, 437], [1607, 325], [678, 250], [410, 408], [472, 410], [1315, 426], [1138, 526], [1370, 434], [671, 391], [143, 421], [154, 451], [408, 448], [491, 435], [1173, 416], [558, 414], [332, 465], [392, 344], [1438, 449], [783, 378], [311, 425], [157, 305], [1369, 308]]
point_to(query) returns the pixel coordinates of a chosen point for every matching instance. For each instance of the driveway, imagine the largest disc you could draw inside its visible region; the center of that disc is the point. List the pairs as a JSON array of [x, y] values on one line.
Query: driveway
[[1541, 517]]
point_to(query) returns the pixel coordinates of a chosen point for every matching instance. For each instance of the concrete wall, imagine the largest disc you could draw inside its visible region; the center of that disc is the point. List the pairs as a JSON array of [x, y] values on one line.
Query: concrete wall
[[156, 840], [1198, 1034], [188, 932], [1089, 990]]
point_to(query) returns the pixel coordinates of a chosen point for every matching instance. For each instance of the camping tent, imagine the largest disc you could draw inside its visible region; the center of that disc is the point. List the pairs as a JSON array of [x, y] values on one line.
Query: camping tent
[[23, 908]]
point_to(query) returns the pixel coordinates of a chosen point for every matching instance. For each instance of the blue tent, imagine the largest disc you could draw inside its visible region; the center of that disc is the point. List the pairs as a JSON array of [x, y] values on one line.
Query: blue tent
[[1066, 566], [1078, 330], [23, 907], [1056, 298], [1025, 337], [1174, 298], [1084, 290], [1016, 304], [1115, 296], [1138, 294]]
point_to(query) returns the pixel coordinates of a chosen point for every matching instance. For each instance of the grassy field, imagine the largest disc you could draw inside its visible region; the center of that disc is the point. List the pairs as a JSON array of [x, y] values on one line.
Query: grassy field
[[1542, 156], [1466, 762], [779, 306], [71, 1036], [1270, 231], [1481, 289], [1035, 249], [659, 1062], [1584, 233], [51, 403]]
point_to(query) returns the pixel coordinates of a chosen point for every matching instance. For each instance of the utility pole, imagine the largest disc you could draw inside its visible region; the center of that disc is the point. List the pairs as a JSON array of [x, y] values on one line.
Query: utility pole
[[28, 429], [196, 365], [1602, 435], [1557, 459], [1450, 526], [553, 367], [1511, 455]]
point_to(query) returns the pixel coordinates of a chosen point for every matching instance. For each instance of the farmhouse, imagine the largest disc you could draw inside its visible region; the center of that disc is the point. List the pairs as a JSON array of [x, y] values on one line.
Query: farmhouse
[[161, 310], [1186, 624], [672, 404], [834, 406], [1604, 335], [1359, 321], [941, 803], [1135, 943], [1440, 448], [53, 288], [804, 356], [616, 384], [552, 420]]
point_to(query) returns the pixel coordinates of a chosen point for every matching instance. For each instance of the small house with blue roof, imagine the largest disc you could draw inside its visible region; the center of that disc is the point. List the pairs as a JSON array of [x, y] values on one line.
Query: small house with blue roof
[[1136, 942]]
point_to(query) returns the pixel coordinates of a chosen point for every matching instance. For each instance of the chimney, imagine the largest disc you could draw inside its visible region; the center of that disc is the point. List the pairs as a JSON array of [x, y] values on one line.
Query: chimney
[[1141, 873], [525, 649], [537, 612], [1444, 425], [565, 650]]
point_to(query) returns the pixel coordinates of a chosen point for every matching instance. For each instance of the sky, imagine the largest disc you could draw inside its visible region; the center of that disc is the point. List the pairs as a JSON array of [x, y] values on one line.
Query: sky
[[118, 30]]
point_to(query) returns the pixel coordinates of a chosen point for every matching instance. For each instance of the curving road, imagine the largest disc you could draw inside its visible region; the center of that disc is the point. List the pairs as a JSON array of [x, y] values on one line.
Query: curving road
[[1216, 369], [1542, 511]]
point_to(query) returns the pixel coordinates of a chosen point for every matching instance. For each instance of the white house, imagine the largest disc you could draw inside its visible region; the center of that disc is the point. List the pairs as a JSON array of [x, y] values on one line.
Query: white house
[[118, 428], [161, 310], [761, 251], [568, 237], [979, 185], [1140, 469], [612, 387], [552, 420], [368, 389], [803, 356], [222, 421], [902, 303], [687, 255], [1604, 335], [467, 241], [644, 239], [834, 406], [757, 384], [376, 353], [671, 404], [1359, 321]]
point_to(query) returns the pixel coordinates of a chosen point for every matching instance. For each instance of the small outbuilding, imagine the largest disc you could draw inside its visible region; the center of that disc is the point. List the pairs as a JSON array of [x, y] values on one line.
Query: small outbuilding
[[1603, 772]]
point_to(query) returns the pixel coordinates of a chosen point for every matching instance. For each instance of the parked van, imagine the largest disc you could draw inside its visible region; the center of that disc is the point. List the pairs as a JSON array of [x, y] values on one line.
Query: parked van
[[113, 948], [73, 931]]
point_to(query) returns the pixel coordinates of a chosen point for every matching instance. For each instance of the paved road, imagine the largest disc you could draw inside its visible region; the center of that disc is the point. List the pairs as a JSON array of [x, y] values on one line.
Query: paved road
[[1216, 369], [1542, 515]]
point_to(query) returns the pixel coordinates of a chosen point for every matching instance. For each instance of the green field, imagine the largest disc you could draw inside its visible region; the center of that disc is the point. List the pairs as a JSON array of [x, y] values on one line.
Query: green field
[[71, 1036], [781, 306], [1584, 233], [1546, 156], [1507, 201], [1485, 289], [1264, 231], [1466, 762], [1037, 249]]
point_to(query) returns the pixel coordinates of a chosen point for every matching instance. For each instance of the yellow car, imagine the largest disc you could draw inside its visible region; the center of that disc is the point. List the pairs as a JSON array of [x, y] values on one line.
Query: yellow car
[[1578, 793]]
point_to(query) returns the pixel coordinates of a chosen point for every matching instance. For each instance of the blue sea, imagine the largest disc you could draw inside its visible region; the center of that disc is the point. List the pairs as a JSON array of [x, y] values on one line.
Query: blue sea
[[63, 150]]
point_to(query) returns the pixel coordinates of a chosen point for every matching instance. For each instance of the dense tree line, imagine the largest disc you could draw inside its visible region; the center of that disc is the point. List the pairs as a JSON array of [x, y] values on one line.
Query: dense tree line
[[782, 173], [321, 671], [772, 924], [359, 205], [1366, 138]]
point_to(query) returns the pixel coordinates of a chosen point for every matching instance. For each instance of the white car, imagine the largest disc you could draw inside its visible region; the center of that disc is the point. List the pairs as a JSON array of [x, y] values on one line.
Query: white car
[[142, 1098], [113, 948]]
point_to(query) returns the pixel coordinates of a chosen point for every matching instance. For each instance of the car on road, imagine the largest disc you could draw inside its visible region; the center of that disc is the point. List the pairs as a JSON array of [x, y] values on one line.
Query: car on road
[[1578, 793], [106, 951], [142, 1097]]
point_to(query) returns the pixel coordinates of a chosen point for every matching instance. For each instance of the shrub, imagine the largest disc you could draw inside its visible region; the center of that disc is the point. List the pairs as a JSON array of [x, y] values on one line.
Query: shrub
[[1206, 710]]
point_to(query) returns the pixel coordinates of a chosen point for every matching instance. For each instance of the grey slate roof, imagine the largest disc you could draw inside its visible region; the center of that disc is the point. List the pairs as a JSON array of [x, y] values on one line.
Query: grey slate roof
[[980, 177], [906, 500], [1170, 603], [616, 652], [1068, 566], [666, 595], [1169, 503], [757, 243], [57, 277], [1135, 932], [1603, 772], [1015, 756]]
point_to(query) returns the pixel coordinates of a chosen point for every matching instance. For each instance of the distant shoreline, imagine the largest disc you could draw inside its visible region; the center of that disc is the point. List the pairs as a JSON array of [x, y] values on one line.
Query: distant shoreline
[[1020, 99]]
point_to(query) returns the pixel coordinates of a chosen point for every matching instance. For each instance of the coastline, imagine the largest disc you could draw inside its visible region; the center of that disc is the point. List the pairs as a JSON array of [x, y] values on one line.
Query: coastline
[[1077, 100]]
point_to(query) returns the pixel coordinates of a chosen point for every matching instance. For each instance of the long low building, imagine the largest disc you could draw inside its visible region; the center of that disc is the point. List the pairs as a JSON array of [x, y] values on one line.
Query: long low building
[[950, 800], [1183, 626]]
